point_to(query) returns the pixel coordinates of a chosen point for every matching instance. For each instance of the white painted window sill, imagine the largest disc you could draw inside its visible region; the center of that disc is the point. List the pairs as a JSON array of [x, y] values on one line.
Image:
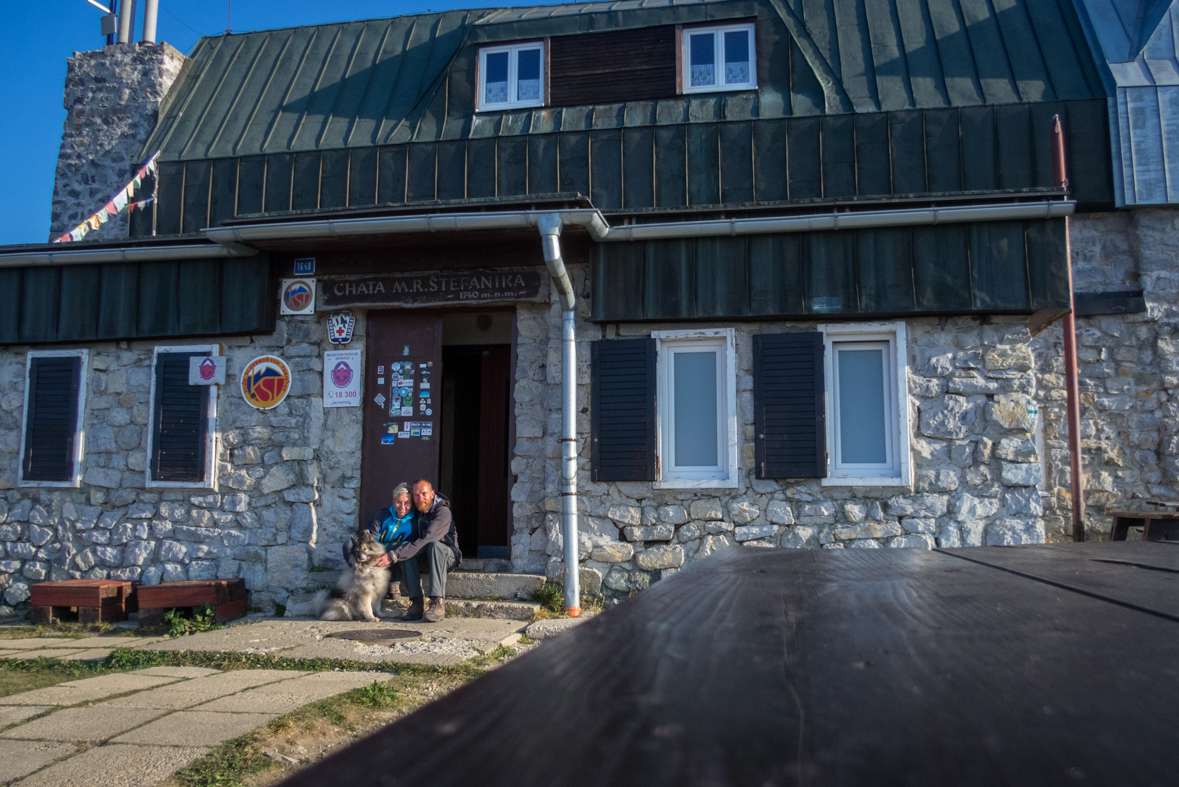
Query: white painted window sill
[[877, 482], [696, 483]]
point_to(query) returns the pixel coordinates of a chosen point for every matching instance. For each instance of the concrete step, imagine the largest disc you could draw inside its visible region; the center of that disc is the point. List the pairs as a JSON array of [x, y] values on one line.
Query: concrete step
[[480, 585], [468, 608], [488, 565]]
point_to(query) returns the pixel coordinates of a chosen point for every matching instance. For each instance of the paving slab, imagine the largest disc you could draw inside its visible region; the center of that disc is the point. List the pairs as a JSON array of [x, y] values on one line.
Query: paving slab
[[199, 728], [47, 653], [293, 694], [7, 653], [84, 725], [84, 655], [11, 714], [117, 766], [178, 672], [544, 629], [88, 642], [203, 689], [20, 758], [87, 690], [38, 642]]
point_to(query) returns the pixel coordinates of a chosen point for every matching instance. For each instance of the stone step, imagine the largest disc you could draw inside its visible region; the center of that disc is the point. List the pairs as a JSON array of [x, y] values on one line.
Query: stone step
[[488, 565], [480, 585], [472, 608]]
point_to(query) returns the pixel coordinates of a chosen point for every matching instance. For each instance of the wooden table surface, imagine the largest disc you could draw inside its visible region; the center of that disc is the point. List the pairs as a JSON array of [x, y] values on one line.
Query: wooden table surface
[[1036, 665]]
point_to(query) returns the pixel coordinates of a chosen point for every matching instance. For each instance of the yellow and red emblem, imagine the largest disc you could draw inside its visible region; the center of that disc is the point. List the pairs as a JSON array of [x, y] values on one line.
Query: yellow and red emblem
[[266, 381]]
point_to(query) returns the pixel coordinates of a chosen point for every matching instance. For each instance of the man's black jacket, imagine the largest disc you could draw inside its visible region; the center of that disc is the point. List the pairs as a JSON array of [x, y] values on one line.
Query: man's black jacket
[[433, 525]]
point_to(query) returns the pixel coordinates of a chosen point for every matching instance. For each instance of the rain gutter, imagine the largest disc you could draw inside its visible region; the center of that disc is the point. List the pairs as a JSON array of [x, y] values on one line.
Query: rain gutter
[[73, 256]]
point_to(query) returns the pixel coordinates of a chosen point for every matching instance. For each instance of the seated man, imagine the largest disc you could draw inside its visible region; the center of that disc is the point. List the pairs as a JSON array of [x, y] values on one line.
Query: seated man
[[434, 541]]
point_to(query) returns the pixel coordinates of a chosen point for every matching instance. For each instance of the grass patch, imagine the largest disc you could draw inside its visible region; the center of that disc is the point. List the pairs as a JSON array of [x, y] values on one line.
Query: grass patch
[[551, 597], [181, 625], [64, 629]]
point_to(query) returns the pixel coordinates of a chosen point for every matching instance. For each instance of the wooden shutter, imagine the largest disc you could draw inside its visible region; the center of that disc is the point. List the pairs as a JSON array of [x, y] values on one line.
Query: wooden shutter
[[788, 404], [612, 67], [51, 421], [180, 425], [622, 412]]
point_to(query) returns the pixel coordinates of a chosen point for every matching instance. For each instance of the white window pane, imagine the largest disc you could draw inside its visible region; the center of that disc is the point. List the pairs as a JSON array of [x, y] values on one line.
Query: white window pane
[[736, 57], [695, 409], [528, 75], [861, 407], [495, 89], [702, 59]]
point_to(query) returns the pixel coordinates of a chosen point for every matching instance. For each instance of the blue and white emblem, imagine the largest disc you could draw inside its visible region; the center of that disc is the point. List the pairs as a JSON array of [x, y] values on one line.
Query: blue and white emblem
[[340, 326]]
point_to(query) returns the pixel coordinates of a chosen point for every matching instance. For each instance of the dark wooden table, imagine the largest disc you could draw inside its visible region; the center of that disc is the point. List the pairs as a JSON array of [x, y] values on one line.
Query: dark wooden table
[[1038, 665]]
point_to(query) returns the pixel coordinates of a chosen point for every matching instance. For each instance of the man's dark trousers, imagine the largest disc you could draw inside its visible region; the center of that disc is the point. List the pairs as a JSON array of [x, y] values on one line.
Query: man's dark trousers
[[438, 559]]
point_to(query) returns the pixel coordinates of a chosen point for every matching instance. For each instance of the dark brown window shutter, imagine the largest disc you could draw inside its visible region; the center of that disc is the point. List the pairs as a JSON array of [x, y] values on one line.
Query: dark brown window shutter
[[789, 412], [612, 67], [51, 423], [180, 425], [622, 411]]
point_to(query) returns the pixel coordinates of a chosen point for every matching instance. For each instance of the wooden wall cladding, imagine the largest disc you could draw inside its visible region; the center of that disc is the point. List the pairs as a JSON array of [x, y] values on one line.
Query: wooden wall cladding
[[612, 67]]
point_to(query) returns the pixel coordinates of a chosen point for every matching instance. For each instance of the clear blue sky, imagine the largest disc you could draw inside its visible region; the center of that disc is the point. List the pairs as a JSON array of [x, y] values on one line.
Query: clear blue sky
[[41, 35]]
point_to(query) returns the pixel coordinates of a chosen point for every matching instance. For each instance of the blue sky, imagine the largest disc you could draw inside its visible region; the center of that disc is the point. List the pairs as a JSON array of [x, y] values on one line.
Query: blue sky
[[43, 34]]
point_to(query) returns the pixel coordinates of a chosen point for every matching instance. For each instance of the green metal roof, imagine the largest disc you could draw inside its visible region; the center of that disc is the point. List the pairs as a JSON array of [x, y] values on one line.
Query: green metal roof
[[411, 78]]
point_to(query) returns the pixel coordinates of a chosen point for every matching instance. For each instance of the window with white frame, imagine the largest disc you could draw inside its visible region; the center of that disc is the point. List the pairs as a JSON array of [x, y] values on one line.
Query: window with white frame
[[182, 440], [52, 440], [511, 76], [719, 58], [696, 390], [867, 411]]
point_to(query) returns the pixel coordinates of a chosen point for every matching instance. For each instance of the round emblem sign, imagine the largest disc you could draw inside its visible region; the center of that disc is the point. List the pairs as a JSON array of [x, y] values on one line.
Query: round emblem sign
[[266, 381], [297, 296], [207, 369], [342, 374]]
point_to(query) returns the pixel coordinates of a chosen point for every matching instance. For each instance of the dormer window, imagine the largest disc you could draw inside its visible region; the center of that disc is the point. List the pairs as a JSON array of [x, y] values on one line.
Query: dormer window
[[511, 76], [719, 58]]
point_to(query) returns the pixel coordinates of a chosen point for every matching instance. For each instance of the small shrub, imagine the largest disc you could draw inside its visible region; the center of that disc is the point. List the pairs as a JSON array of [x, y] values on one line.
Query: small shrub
[[280, 610], [178, 625], [550, 596], [377, 695]]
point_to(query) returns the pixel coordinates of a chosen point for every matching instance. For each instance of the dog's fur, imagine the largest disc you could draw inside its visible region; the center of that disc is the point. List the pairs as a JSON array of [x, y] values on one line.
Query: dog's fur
[[358, 593]]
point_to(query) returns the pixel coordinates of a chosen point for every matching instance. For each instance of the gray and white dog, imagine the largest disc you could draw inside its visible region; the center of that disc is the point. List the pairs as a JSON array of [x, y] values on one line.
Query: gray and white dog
[[358, 593]]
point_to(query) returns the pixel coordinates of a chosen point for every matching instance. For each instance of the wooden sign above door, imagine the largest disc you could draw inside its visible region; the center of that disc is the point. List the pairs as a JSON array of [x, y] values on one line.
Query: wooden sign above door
[[434, 288]]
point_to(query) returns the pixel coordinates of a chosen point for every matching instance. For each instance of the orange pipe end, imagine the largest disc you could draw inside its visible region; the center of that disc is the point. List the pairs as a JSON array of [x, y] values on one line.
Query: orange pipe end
[[574, 612]]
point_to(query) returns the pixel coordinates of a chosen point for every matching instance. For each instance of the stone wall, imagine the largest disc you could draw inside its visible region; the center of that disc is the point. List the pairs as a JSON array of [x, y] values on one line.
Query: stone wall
[[288, 480], [973, 388], [1129, 372], [112, 99]]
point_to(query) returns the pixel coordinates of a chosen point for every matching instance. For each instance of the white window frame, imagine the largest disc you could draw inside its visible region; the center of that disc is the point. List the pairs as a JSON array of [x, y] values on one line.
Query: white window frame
[[728, 435], [79, 418], [900, 474], [212, 436], [718, 32], [513, 51]]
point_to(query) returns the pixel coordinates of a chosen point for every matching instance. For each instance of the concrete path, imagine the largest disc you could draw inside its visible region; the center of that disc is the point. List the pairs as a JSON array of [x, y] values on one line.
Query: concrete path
[[135, 729], [451, 641]]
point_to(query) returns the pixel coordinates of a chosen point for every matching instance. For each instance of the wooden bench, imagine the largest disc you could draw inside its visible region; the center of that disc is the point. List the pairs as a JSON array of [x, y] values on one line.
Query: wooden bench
[[82, 600], [229, 598], [1156, 525]]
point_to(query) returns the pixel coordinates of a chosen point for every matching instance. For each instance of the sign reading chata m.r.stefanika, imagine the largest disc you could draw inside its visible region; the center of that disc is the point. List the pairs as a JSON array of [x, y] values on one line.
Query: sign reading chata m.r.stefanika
[[422, 289]]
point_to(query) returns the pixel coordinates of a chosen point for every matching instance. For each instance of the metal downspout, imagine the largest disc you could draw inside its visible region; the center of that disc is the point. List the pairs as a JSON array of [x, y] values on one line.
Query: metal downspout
[[1069, 328], [549, 225]]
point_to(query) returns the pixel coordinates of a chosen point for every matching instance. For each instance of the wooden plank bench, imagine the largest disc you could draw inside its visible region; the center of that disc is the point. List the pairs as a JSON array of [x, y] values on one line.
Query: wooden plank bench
[[82, 600], [1156, 525], [229, 598]]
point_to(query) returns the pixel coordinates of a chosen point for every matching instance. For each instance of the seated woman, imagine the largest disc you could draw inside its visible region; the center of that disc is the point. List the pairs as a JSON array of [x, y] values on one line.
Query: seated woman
[[391, 526]]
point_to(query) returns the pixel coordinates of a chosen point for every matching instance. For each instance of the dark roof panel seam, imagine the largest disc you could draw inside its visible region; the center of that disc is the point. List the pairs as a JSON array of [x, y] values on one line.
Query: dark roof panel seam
[[237, 96], [261, 95], [356, 47], [197, 79], [316, 86], [379, 138], [265, 146], [372, 70], [196, 128]]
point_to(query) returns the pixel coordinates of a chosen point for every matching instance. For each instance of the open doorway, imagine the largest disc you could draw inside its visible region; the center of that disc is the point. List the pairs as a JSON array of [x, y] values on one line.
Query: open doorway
[[474, 460]]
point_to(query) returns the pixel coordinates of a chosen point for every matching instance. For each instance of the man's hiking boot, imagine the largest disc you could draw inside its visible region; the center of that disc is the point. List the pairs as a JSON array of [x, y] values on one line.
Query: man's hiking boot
[[435, 610], [415, 611]]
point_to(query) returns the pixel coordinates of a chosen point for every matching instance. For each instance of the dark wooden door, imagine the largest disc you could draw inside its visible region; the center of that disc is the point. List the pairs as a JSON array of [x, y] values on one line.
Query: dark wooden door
[[494, 401], [403, 373]]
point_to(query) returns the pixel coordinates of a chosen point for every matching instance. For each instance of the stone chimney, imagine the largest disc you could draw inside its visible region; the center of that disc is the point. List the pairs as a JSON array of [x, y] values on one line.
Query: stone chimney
[[113, 97]]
